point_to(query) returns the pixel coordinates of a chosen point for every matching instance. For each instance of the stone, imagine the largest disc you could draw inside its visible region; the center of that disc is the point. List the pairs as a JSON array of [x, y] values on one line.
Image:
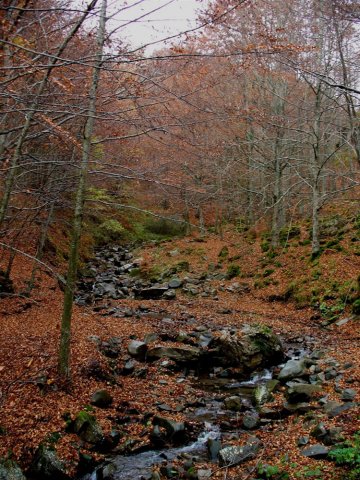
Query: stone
[[263, 391], [230, 456], [302, 407], [319, 431], [333, 408], [151, 337], [292, 369], [10, 470], [129, 367], [202, 474], [110, 348], [316, 451], [213, 447], [330, 374], [303, 441], [169, 294], [233, 403], [178, 354], [175, 283], [348, 394], [151, 293], [328, 436], [205, 339], [302, 392], [87, 428], [175, 431], [101, 398], [137, 349], [250, 421], [46, 465]]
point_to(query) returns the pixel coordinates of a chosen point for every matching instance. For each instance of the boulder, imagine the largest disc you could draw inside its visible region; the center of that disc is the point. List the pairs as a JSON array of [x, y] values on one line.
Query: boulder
[[292, 369], [316, 451], [87, 428], [175, 431], [169, 294], [250, 421], [248, 349], [328, 436], [302, 392], [137, 349], [333, 408], [230, 456], [10, 470], [46, 465], [101, 398], [301, 407]]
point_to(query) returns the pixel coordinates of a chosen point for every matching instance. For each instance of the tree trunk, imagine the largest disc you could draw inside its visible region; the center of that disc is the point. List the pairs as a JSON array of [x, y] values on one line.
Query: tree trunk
[[64, 350]]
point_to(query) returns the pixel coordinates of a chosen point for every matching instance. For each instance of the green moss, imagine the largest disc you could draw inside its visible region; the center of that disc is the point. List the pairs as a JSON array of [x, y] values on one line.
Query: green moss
[[288, 233], [232, 271], [268, 272], [109, 231], [224, 253]]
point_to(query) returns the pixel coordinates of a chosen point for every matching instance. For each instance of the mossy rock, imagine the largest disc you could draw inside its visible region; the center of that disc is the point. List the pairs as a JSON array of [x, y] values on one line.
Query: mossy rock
[[332, 226], [87, 427]]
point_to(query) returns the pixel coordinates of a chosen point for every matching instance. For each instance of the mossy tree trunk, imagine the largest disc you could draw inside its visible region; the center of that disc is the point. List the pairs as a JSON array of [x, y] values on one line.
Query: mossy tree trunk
[[65, 338]]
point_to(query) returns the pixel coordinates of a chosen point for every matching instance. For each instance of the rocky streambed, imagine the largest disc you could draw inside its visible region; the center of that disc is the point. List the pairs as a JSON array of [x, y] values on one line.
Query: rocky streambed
[[237, 371], [114, 273], [239, 381]]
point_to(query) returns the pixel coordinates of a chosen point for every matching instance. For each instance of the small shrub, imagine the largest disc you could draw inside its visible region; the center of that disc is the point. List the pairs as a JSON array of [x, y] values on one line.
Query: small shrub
[[304, 242], [232, 271], [272, 472], [287, 233], [109, 231], [164, 227], [268, 272], [224, 253], [316, 274], [348, 455], [265, 246]]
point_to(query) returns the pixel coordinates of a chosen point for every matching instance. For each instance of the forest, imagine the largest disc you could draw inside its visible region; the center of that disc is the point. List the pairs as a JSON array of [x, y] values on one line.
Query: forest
[[180, 241]]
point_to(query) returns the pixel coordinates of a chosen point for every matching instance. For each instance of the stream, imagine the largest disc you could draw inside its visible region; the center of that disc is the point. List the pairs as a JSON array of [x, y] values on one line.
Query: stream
[[110, 277], [212, 415]]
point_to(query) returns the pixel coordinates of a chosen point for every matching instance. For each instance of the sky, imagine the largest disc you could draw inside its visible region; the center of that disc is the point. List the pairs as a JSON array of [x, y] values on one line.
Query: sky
[[147, 21]]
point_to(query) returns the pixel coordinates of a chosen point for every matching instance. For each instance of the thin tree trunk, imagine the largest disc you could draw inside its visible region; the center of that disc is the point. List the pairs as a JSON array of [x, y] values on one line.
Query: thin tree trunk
[[40, 248], [64, 349]]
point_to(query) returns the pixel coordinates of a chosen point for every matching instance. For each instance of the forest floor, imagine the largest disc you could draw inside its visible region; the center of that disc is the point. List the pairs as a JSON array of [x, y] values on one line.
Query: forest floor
[[33, 405]]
